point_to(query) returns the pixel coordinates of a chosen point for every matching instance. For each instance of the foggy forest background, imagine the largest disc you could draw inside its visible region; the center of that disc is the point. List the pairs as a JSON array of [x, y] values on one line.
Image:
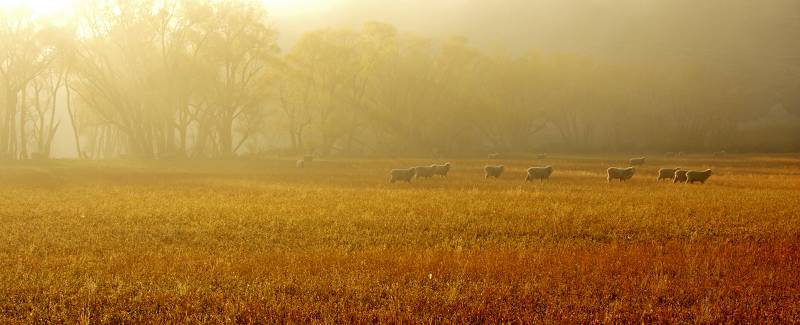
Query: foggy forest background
[[219, 79]]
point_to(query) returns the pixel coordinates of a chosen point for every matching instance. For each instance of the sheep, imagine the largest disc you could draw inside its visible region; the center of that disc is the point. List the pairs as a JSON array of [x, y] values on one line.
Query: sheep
[[637, 161], [622, 174], [441, 170], [494, 155], [404, 175], [680, 176], [540, 173], [494, 171], [698, 176], [300, 163], [667, 173], [424, 171]]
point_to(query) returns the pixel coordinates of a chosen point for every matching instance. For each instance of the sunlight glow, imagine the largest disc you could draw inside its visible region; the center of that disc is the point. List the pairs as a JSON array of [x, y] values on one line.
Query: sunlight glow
[[49, 8], [291, 7], [40, 7]]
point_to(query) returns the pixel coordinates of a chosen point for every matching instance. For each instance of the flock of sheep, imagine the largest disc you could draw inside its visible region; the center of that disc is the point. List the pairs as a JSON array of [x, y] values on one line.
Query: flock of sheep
[[420, 172], [677, 175]]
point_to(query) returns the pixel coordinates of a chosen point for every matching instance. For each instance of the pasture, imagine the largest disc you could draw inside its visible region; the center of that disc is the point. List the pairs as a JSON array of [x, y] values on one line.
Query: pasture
[[255, 241]]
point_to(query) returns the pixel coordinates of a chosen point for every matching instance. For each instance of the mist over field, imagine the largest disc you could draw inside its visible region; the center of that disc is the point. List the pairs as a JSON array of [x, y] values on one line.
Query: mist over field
[[394, 78], [408, 161]]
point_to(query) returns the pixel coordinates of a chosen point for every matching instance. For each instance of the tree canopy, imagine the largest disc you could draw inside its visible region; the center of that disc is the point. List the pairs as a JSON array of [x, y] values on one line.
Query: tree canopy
[[157, 79]]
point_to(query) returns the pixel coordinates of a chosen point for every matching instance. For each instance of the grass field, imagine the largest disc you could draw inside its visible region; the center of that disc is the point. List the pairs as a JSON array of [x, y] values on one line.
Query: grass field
[[262, 241]]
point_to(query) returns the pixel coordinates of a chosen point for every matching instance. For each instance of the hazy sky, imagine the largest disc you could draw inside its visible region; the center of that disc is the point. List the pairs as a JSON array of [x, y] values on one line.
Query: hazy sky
[[739, 31], [731, 30]]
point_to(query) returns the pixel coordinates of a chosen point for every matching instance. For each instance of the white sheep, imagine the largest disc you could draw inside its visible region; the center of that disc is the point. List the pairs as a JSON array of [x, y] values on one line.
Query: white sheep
[[300, 163], [622, 174], [402, 175], [424, 171], [540, 173], [637, 161], [667, 173], [680, 176], [698, 176], [441, 170], [493, 171]]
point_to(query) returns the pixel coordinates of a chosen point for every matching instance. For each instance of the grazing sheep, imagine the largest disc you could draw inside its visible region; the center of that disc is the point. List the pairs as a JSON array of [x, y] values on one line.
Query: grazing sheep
[[402, 175], [441, 170], [494, 155], [680, 176], [540, 173], [667, 173], [541, 156], [424, 171], [494, 171], [622, 174], [637, 161], [698, 176], [300, 163]]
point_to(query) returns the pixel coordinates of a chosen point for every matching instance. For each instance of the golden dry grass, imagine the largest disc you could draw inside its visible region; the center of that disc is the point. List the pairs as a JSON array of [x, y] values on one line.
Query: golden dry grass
[[262, 241]]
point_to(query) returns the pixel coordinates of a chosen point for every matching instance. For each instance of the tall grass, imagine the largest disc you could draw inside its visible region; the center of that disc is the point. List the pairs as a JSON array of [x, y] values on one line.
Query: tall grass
[[257, 241]]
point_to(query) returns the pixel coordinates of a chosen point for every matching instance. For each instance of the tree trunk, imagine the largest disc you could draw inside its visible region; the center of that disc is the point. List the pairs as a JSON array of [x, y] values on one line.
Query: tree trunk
[[75, 132], [225, 130], [23, 141], [52, 127], [7, 132]]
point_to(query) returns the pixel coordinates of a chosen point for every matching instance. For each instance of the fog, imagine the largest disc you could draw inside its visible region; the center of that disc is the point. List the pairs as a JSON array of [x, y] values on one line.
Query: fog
[[619, 30], [550, 75]]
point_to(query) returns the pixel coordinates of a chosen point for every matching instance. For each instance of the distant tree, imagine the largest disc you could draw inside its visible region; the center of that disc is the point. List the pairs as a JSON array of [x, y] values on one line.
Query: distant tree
[[242, 56], [25, 55]]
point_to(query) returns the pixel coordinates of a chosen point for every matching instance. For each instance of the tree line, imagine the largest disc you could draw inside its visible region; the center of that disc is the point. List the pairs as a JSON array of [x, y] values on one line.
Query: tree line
[[203, 79]]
